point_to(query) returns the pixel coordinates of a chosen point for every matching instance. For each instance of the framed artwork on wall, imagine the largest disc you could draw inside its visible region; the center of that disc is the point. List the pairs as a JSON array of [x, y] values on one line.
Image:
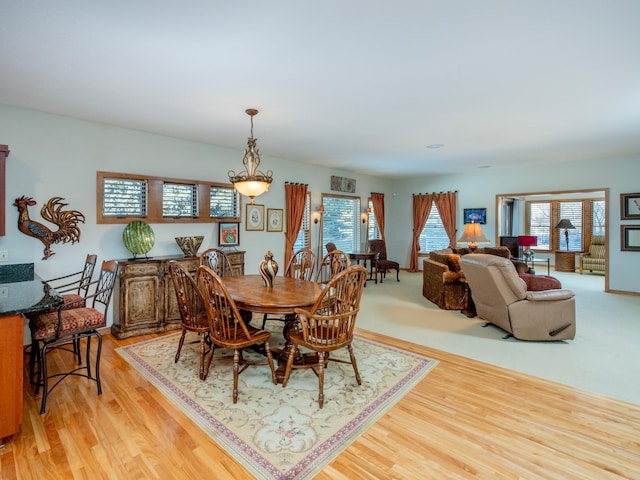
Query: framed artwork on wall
[[475, 215], [228, 234], [274, 219], [629, 206], [255, 217], [630, 238]]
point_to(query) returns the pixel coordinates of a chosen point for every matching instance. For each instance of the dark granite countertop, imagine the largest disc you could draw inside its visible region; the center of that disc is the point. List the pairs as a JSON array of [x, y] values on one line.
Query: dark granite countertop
[[21, 291]]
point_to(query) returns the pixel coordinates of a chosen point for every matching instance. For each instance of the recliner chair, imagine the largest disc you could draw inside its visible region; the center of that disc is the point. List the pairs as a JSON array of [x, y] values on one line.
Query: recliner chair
[[501, 298]]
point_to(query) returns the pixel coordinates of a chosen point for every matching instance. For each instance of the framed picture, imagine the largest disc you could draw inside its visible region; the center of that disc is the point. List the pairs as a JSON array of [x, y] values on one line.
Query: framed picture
[[630, 238], [343, 184], [228, 234], [274, 219], [475, 215], [629, 206], [255, 217]]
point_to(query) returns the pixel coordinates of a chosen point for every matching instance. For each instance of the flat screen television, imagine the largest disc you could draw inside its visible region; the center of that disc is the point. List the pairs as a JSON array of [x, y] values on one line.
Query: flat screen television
[[512, 244]]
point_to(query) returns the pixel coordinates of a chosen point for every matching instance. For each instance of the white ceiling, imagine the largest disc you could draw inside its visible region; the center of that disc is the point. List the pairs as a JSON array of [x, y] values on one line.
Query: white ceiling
[[354, 84]]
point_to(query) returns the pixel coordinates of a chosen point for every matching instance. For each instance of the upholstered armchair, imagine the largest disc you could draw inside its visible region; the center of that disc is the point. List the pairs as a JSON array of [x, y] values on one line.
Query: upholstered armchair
[[501, 298], [594, 259]]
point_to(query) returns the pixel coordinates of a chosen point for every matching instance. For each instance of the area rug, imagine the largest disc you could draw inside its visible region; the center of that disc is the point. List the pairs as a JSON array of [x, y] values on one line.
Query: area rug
[[276, 432]]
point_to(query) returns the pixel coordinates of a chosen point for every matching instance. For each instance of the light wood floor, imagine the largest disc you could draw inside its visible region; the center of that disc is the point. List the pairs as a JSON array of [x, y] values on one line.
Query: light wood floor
[[464, 420]]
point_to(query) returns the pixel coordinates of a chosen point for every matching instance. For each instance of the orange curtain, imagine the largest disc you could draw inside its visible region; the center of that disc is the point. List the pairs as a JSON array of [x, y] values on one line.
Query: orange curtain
[[378, 209], [421, 209], [447, 203], [294, 200]]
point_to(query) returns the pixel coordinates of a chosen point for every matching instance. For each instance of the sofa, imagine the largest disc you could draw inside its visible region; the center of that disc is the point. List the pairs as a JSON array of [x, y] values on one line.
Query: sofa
[[443, 280], [501, 298]]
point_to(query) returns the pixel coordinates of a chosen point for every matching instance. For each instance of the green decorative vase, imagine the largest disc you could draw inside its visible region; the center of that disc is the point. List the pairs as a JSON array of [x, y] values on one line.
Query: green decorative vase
[[139, 238]]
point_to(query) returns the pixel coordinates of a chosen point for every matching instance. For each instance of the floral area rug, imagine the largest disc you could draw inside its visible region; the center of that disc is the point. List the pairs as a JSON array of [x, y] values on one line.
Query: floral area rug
[[276, 432]]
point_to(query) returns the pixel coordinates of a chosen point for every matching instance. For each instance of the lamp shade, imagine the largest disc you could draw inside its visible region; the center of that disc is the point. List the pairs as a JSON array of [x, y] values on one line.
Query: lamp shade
[[473, 235], [527, 241], [565, 223]]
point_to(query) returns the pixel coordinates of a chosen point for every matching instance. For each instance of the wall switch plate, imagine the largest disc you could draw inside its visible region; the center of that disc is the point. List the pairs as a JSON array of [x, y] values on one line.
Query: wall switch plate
[[4, 256]]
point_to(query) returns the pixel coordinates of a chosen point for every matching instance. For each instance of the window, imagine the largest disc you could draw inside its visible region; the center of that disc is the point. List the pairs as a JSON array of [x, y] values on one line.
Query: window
[[304, 235], [224, 202], [539, 224], [122, 197], [179, 200], [587, 216], [597, 218], [433, 235], [573, 212], [372, 227], [341, 222]]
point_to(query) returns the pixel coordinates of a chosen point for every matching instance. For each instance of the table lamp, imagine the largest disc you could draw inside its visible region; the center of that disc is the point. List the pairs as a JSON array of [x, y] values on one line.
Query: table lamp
[[472, 236], [527, 241]]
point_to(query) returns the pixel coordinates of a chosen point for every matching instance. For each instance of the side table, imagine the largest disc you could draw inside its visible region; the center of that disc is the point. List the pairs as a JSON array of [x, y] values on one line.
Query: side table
[[565, 261]]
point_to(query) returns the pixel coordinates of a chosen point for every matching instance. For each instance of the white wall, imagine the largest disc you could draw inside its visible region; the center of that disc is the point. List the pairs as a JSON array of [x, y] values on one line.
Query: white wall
[[479, 187], [59, 156]]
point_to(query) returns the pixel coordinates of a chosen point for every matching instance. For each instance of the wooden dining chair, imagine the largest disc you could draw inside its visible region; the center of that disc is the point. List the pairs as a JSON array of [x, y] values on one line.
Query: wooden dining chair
[[332, 263], [329, 325], [69, 325], [193, 315], [227, 328], [302, 266], [217, 261]]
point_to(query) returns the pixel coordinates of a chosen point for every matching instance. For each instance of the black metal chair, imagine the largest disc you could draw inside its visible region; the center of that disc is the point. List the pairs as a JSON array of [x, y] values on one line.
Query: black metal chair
[[68, 325]]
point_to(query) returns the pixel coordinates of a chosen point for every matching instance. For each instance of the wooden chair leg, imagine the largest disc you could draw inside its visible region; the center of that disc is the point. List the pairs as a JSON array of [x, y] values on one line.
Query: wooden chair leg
[[180, 343], [236, 362], [287, 371], [355, 364], [321, 379], [203, 346], [267, 350]]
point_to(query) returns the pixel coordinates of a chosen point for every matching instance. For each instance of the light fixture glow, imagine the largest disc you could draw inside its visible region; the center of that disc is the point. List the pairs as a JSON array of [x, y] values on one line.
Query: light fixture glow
[[251, 182], [472, 236]]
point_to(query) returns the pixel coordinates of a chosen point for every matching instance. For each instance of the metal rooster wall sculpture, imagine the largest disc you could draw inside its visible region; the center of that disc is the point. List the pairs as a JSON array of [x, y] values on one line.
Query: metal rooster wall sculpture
[[66, 220]]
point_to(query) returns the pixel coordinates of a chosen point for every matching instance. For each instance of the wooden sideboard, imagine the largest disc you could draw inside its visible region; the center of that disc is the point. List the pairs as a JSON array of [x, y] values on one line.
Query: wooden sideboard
[[144, 299]]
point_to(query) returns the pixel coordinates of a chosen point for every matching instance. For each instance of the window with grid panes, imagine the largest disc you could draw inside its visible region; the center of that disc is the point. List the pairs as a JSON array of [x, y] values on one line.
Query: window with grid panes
[[179, 200], [341, 222], [224, 202], [124, 198], [433, 235], [304, 235]]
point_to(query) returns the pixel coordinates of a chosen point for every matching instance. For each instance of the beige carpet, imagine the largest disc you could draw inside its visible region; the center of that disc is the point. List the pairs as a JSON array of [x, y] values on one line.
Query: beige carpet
[[277, 432]]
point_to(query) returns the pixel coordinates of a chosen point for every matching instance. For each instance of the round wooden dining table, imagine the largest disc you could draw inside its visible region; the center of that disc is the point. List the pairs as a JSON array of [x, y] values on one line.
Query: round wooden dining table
[[251, 295]]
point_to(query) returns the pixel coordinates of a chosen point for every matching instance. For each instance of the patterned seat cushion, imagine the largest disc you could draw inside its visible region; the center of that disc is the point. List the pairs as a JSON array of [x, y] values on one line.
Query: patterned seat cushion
[[73, 320]]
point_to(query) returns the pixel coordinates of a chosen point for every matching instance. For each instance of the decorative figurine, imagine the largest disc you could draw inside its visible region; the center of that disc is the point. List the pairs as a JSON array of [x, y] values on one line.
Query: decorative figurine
[[268, 269], [66, 220]]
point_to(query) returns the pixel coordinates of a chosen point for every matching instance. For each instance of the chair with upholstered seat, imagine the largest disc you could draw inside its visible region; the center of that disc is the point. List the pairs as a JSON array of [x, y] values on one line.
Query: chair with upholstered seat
[[77, 288], [227, 328], [193, 316], [332, 263], [68, 325], [594, 259], [329, 325], [217, 261], [382, 264]]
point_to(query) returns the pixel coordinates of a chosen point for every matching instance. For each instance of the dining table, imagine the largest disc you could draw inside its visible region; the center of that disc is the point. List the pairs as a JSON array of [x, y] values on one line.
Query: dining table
[[251, 295]]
